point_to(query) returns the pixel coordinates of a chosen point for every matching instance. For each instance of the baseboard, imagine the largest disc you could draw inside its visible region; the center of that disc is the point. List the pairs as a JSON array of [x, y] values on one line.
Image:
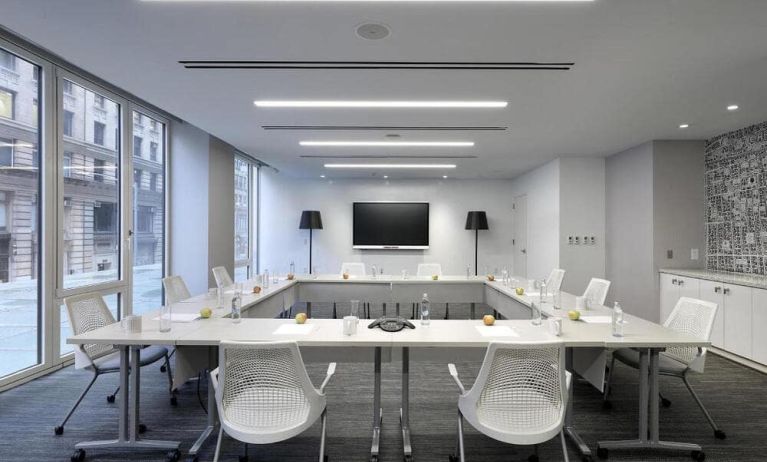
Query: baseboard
[[739, 359], [36, 375]]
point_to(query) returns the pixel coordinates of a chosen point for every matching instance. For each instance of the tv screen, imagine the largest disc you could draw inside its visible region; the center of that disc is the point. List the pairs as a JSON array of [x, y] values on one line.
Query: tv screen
[[391, 225]]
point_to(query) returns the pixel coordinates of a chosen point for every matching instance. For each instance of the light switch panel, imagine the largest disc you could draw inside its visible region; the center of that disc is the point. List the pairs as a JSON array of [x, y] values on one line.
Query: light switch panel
[[694, 254], [669, 254]]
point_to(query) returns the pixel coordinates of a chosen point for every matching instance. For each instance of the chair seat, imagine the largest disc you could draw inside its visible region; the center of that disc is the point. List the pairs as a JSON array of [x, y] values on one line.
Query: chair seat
[[667, 365], [149, 355]]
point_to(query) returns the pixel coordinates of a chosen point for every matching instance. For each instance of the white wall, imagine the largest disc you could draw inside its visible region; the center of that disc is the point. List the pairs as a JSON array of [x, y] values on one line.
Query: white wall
[[188, 207], [581, 213], [221, 210], [283, 199], [541, 186]]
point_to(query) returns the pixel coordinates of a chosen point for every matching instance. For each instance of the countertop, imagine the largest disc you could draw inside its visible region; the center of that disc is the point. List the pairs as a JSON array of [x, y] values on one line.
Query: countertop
[[749, 280]]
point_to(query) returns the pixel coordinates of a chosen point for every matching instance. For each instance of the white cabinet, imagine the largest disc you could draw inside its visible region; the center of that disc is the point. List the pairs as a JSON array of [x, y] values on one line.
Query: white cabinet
[[737, 319], [711, 291], [672, 287], [759, 325]]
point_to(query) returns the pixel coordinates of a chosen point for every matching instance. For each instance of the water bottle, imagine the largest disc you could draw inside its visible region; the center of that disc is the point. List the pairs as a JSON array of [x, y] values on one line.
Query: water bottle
[[266, 279], [468, 271], [374, 271], [237, 304], [617, 320], [425, 310], [536, 313]]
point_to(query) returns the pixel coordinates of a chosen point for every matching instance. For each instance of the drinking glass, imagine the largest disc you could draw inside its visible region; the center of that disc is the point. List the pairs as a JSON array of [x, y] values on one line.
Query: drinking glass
[[355, 308], [165, 317], [404, 274], [220, 297], [536, 313], [557, 299]]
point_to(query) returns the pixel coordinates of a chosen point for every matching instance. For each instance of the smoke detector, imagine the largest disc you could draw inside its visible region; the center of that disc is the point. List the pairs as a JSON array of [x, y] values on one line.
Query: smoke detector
[[373, 31]]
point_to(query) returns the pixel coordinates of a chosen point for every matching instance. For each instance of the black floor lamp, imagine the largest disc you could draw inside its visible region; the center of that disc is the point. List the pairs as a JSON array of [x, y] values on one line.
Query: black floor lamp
[[311, 220], [476, 220]]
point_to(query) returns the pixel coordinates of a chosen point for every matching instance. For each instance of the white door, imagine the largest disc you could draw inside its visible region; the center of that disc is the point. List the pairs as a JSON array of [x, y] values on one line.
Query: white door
[[737, 319], [669, 294], [519, 209], [711, 291], [759, 317]]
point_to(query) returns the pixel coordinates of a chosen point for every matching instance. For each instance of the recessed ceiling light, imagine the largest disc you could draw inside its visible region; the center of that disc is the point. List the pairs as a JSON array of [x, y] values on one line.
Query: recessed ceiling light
[[733, 107], [683, 126], [322, 176], [444, 176], [385, 166], [381, 104], [386, 176], [434, 144], [378, 1]]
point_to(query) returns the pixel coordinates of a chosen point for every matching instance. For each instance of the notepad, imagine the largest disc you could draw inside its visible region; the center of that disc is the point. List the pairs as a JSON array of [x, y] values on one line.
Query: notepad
[[496, 331], [294, 329], [180, 317], [597, 319]]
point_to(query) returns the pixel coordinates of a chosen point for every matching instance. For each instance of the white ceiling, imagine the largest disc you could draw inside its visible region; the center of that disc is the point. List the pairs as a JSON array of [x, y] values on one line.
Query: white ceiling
[[641, 69]]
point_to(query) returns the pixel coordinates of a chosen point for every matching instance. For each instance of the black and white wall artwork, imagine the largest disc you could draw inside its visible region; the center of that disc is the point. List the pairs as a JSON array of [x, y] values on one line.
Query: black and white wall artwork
[[736, 197]]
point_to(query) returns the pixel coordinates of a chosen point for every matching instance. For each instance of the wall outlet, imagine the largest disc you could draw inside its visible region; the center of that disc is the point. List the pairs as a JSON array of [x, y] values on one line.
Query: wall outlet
[[669, 254], [593, 240], [694, 254], [577, 240], [570, 240]]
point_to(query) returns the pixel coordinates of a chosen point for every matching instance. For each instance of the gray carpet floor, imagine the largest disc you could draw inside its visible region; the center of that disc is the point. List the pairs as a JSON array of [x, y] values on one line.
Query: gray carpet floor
[[734, 395]]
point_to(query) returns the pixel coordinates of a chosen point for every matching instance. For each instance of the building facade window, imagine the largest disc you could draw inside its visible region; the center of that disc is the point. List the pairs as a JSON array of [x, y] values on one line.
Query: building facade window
[[137, 142], [7, 60], [145, 219], [6, 152], [153, 182], [98, 170], [137, 174], [7, 103], [67, 85], [67, 165], [98, 133], [104, 217], [69, 121], [99, 101], [153, 151]]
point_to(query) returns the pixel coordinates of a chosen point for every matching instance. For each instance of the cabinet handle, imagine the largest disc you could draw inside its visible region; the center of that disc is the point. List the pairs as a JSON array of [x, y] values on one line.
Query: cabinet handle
[[674, 281], [726, 291], [681, 282], [717, 289]]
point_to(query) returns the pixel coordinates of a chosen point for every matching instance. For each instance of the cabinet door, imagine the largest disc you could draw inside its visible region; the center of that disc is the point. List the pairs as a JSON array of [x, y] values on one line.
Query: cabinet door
[[688, 287], [737, 319], [711, 291], [759, 316], [669, 294]]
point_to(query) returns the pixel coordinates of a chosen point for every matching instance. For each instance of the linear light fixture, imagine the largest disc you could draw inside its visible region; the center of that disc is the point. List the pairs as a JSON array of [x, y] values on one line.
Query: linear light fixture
[[393, 144], [373, 1], [388, 166], [380, 104]]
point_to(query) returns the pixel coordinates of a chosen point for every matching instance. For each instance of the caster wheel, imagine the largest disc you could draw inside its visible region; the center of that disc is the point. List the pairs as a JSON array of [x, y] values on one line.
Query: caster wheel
[[698, 455], [373, 458], [173, 401], [452, 459], [408, 459], [532, 458], [720, 435], [59, 430], [587, 459], [602, 453], [607, 405], [78, 456], [193, 459], [325, 458], [173, 456], [142, 428], [163, 369], [243, 459], [665, 402], [110, 398]]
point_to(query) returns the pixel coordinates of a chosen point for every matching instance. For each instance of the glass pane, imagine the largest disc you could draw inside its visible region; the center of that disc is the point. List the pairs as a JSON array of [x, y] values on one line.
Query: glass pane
[[148, 212], [19, 212], [91, 199], [66, 329], [241, 217]]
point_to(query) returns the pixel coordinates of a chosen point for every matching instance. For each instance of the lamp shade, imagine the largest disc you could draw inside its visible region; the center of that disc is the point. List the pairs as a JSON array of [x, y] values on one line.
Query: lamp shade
[[476, 219], [310, 219]]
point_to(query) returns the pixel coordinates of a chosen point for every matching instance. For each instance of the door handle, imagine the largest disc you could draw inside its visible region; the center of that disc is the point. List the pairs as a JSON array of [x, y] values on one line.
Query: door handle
[[674, 281], [717, 289], [726, 291], [681, 282]]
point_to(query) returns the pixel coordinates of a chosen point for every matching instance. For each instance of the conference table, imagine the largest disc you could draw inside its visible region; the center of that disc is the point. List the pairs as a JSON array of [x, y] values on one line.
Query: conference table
[[585, 340]]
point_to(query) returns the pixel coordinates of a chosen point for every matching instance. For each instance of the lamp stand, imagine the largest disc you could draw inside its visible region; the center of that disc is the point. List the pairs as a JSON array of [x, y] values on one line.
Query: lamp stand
[[476, 250], [310, 251]]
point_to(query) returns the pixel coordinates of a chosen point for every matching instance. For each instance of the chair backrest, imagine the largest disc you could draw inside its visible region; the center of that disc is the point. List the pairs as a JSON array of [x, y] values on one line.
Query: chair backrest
[[175, 289], [356, 269], [264, 391], [692, 317], [221, 275], [520, 392], [88, 312], [554, 281], [596, 291], [429, 269]]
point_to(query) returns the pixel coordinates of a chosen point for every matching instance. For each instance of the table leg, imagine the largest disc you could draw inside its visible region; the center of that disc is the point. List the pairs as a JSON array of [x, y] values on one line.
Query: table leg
[[648, 412], [128, 422], [309, 309], [377, 411], [570, 431], [404, 412], [473, 313], [212, 413]]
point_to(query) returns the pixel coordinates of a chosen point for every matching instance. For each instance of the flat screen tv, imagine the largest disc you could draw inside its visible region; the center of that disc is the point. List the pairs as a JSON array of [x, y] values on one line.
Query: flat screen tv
[[391, 225]]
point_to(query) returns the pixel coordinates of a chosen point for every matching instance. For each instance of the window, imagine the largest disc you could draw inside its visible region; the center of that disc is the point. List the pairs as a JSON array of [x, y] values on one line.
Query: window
[[137, 141], [67, 87], [98, 170], [244, 187], [67, 165], [20, 331], [137, 178], [98, 133], [6, 152], [149, 224], [99, 101], [7, 101], [144, 219], [104, 217], [69, 118]]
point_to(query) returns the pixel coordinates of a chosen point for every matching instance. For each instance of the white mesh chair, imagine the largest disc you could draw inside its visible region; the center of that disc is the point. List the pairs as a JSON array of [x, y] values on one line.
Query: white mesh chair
[[264, 395], [221, 275], [175, 289], [427, 270], [88, 312], [692, 317], [355, 270], [519, 397], [596, 291], [554, 281]]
